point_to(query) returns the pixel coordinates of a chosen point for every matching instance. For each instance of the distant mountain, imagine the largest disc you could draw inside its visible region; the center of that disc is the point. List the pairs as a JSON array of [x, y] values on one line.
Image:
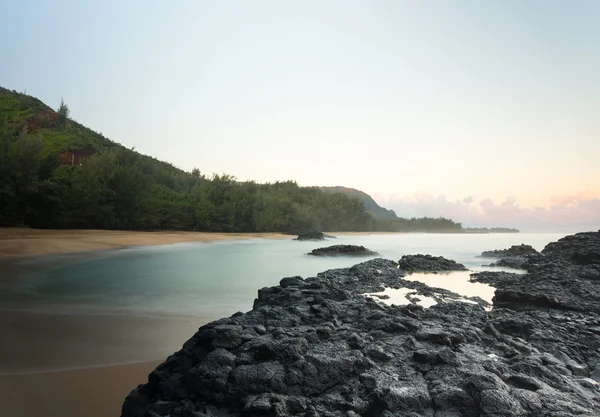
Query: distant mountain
[[371, 205]]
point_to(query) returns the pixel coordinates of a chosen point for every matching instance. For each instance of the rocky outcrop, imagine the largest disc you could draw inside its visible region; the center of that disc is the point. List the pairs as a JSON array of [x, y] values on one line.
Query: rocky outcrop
[[566, 276], [519, 262], [516, 257], [428, 263], [515, 250], [343, 250], [311, 235], [580, 249], [319, 347]]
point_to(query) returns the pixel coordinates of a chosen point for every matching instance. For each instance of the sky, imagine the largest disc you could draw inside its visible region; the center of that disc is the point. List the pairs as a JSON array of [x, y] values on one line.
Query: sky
[[486, 112]]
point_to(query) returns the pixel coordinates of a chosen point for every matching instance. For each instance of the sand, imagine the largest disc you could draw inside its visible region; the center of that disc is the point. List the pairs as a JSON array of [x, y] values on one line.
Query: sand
[[23, 242], [91, 392], [42, 342], [81, 365]]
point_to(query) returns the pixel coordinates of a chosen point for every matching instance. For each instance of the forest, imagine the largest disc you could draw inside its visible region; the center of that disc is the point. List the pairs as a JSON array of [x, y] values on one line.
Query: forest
[[56, 173]]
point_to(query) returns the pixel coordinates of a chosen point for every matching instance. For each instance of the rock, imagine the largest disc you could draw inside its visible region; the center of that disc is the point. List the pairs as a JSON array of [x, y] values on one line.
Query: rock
[[567, 278], [580, 249], [516, 257], [515, 250], [428, 263], [342, 250], [319, 347], [595, 374], [311, 235]]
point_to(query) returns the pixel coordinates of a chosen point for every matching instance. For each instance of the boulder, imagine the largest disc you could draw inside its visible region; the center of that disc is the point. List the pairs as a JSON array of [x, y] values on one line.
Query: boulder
[[342, 250], [515, 250], [428, 263]]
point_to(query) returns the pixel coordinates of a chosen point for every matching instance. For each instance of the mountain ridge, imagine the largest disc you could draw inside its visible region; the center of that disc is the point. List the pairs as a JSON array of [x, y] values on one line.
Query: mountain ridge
[[369, 202]]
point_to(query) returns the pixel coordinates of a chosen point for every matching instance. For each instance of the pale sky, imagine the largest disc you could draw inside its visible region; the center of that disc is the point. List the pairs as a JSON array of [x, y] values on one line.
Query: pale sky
[[461, 101]]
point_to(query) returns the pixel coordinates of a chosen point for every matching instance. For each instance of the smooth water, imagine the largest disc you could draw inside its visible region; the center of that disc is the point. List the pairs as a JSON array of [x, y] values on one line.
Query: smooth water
[[218, 279]]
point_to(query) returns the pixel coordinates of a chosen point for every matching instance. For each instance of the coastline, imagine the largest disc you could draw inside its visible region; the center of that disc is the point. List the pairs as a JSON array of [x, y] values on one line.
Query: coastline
[[23, 243]]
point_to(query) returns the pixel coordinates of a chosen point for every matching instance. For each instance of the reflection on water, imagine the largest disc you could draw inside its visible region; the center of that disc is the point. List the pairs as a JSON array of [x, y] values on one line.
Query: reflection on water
[[219, 279], [457, 281], [401, 297]]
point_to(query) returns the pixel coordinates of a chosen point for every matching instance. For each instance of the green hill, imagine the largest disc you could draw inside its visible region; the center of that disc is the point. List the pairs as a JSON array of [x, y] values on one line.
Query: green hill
[[20, 111], [57, 173], [370, 205]]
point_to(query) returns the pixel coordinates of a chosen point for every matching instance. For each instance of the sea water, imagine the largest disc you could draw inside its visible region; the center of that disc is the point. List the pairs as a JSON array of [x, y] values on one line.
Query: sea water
[[217, 279]]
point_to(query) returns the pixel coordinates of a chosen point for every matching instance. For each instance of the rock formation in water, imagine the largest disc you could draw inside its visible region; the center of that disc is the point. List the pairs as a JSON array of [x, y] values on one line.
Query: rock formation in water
[[342, 250], [311, 235], [517, 256], [319, 347], [428, 263], [515, 250]]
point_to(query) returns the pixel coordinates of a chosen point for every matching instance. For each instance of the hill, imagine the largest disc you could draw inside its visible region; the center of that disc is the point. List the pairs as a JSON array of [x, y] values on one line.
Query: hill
[[57, 173], [370, 204]]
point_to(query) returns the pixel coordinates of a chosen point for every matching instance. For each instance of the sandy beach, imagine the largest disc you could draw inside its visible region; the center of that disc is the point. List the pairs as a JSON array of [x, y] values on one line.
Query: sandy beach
[[24, 242], [89, 392], [81, 365], [73, 365]]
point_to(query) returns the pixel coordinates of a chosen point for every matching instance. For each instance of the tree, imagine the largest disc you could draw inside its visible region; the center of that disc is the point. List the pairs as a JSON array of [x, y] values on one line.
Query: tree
[[62, 114]]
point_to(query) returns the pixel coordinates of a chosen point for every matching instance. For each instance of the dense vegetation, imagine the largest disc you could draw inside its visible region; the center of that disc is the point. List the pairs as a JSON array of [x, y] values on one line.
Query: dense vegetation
[[370, 205], [55, 173]]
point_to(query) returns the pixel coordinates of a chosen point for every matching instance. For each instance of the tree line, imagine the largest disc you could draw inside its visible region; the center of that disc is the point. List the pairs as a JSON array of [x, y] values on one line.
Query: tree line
[[118, 188]]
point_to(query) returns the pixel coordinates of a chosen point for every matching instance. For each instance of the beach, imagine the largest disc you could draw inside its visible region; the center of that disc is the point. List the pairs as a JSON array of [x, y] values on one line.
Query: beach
[[89, 392], [18, 242], [67, 365], [72, 365]]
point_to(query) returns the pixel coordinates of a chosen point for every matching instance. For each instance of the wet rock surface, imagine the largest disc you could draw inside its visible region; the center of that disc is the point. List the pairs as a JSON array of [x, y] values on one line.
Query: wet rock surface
[[318, 347], [515, 250], [342, 250], [428, 263], [516, 257]]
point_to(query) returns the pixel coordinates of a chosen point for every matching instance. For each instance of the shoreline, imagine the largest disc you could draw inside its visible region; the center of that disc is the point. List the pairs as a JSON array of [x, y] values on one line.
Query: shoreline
[[72, 392], [52, 246], [22, 243], [64, 360], [83, 341]]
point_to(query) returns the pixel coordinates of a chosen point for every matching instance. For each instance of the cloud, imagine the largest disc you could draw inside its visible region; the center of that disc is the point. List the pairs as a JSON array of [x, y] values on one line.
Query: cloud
[[565, 213]]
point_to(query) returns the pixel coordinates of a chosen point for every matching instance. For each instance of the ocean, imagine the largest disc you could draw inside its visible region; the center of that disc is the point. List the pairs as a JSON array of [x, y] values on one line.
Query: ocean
[[217, 279]]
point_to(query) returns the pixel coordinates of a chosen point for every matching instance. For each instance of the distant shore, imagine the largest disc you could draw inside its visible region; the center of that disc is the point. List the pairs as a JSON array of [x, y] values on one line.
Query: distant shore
[[18, 242], [24, 242]]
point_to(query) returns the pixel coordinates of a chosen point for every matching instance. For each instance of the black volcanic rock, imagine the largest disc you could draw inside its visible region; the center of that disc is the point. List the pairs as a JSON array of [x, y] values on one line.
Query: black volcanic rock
[[566, 277], [342, 250], [319, 347], [519, 262], [311, 235], [517, 257], [515, 250], [428, 263], [580, 249]]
